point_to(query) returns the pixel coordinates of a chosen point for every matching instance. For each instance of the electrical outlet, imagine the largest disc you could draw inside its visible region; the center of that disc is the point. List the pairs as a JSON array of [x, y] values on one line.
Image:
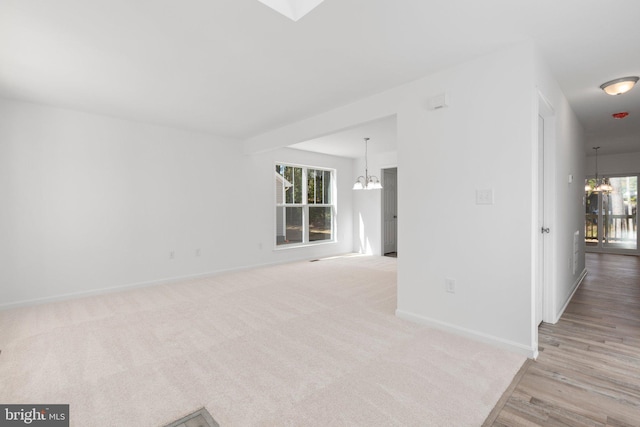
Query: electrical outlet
[[198, 252], [450, 285], [172, 255], [484, 197]]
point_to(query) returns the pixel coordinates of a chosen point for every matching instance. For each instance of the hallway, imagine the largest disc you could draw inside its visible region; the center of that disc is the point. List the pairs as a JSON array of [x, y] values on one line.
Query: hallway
[[588, 371]]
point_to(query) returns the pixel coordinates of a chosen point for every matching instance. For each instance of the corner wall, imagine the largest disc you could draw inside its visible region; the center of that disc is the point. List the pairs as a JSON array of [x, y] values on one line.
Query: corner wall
[[95, 203], [483, 140], [566, 209], [92, 203]]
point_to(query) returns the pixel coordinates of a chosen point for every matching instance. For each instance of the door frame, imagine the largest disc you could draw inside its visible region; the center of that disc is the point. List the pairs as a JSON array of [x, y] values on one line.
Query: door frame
[[542, 224], [599, 248], [547, 285]]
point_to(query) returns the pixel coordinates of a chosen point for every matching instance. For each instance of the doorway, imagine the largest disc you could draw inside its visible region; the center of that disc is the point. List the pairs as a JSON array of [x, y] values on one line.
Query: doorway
[[390, 212], [544, 303], [544, 229], [611, 216]]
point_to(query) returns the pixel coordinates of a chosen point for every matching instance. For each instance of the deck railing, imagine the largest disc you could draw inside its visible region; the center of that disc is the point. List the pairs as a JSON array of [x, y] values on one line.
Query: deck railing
[[618, 228]]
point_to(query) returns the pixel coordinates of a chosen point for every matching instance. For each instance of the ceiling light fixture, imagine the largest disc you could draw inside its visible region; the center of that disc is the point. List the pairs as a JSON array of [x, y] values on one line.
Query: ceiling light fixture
[[619, 86], [367, 182], [292, 9], [599, 185]]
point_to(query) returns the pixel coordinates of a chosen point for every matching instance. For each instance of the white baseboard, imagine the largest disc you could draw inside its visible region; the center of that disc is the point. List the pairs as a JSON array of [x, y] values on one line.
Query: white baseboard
[[100, 291], [129, 286], [576, 285], [469, 333]]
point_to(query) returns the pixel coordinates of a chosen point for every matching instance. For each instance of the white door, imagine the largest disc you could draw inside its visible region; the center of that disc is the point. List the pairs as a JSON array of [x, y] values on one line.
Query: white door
[[543, 228], [390, 210]]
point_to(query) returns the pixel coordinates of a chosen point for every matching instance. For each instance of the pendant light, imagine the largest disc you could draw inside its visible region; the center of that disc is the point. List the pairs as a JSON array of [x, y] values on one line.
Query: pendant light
[[367, 182], [601, 186]]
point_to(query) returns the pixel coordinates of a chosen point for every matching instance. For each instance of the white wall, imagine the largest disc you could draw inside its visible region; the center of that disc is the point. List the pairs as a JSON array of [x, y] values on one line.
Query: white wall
[[98, 202], [261, 242], [92, 203], [367, 205], [483, 140], [613, 164], [565, 210]]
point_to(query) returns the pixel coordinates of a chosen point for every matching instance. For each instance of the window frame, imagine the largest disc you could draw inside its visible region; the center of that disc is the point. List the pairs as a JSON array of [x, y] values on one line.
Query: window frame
[[305, 205]]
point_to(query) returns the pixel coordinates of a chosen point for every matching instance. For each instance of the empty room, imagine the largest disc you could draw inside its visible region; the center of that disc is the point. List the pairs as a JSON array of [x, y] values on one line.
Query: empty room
[[319, 212]]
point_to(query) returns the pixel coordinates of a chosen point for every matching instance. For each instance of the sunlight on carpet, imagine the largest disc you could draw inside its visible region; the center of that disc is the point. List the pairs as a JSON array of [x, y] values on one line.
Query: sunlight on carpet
[[310, 344]]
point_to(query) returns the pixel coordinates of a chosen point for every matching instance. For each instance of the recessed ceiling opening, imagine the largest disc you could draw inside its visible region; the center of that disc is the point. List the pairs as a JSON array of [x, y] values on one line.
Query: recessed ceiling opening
[[292, 9]]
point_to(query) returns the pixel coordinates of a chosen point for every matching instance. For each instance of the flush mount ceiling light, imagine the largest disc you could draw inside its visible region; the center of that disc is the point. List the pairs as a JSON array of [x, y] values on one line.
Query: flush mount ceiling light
[[292, 9], [619, 86], [367, 182]]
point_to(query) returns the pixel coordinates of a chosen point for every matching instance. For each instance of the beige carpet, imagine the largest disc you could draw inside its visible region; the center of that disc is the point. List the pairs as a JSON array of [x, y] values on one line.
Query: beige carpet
[[302, 344]]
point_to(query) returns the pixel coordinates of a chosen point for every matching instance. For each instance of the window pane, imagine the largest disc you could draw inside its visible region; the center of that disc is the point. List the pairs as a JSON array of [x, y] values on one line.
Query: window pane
[[311, 186], [291, 183], [319, 186], [611, 216], [288, 225], [327, 187], [591, 216], [619, 210], [297, 185], [320, 223]]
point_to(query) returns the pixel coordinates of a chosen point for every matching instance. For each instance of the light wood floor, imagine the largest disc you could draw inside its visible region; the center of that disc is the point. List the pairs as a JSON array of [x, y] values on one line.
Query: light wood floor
[[588, 371]]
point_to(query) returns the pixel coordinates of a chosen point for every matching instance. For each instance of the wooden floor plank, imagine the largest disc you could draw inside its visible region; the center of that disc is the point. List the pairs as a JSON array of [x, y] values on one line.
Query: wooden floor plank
[[588, 370]]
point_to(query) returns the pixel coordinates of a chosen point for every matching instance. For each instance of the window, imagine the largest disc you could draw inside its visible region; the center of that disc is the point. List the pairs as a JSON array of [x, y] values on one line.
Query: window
[[305, 208]]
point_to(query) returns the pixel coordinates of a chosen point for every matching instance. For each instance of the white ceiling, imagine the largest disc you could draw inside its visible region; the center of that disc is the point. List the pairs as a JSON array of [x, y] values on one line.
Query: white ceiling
[[350, 142], [238, 68]]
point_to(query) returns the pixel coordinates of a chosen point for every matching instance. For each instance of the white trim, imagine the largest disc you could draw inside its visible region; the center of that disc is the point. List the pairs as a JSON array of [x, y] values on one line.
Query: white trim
[[547, 109], [469, 333], [576, 285], [304, 245], [544, 108]]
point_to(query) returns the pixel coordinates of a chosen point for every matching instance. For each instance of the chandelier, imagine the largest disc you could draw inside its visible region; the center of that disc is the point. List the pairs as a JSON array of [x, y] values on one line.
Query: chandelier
[[601, 185], [366, 181]]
